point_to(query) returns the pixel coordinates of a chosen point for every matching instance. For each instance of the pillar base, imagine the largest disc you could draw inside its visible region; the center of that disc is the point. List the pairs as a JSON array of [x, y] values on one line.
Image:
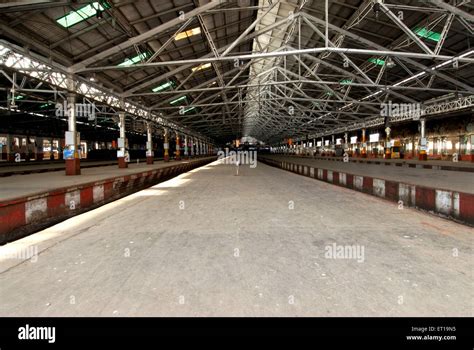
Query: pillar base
[[149, 160], [122, 163], [422, 156], [177, 158], [166, 158], [73, 166]]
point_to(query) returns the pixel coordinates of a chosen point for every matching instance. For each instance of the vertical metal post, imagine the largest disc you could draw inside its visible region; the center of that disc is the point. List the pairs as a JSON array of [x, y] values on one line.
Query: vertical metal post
[[122, 153], [71, 152], [178, 151], [166, 146], [149, 144]]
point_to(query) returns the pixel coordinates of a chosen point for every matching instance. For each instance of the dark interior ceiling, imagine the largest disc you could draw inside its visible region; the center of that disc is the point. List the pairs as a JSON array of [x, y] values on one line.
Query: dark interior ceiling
[[260, 91]]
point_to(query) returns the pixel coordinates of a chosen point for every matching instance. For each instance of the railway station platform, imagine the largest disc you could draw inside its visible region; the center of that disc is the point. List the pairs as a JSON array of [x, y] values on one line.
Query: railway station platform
[[264, 253], [446, 193], [29, 202]]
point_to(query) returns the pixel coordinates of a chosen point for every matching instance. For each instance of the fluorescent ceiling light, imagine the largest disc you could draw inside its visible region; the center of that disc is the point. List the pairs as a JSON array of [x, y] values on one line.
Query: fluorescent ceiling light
[[201, 67], [188, 33], [133, 60], [163, 86], [81, 14], [182, 98], [189, 110]]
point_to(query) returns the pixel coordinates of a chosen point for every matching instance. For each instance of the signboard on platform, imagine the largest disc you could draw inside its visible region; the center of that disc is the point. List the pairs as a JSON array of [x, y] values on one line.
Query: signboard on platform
[[68, 153], [374, 137]]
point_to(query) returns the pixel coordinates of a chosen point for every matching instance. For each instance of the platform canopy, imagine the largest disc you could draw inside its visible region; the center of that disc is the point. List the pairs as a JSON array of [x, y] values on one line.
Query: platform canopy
[[269, 69]]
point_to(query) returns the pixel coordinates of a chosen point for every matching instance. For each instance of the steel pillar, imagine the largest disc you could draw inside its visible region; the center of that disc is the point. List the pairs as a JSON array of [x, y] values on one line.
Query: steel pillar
[[149, 144], [71, 154], [122, 153]]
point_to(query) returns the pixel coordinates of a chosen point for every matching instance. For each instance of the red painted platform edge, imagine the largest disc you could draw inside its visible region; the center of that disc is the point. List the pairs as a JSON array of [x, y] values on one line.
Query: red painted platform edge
[[447, 203], [21, 213]]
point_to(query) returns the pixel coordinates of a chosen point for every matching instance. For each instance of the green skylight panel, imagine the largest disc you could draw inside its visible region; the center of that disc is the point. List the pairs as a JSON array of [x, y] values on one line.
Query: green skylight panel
[[377, 61], [133, 60], [427, 34], [164, 86], [178, 100], [346, 81], [81, 14]]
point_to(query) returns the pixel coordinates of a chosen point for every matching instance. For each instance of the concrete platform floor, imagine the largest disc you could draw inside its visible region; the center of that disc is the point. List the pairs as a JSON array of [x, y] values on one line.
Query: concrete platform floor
[[17, 186], [440, 179], [209, 243]]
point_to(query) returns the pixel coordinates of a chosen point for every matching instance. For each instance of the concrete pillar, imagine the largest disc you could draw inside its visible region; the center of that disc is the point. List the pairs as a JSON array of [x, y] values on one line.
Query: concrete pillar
[[333, 145], [122, 153], [73, 163], [178, 150], [191, 146], [186, 146], [197, 148], [423, 147], [364, 151], [388, 149], [149, 144], [166, 147]]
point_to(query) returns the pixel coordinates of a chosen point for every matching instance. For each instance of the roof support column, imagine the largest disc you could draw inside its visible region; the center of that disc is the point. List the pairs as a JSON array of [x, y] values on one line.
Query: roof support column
[[388, 150], [186, 153], [166, 146], [149, 144], [423, 147], [178, 151], [364, 150], [71, 154], [191, 146], [121, 142]]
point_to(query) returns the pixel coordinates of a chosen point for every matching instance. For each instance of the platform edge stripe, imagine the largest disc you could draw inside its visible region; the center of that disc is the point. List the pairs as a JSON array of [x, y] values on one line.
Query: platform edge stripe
[[466, 207], [378, 187], [444, 202], [36, 210]]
